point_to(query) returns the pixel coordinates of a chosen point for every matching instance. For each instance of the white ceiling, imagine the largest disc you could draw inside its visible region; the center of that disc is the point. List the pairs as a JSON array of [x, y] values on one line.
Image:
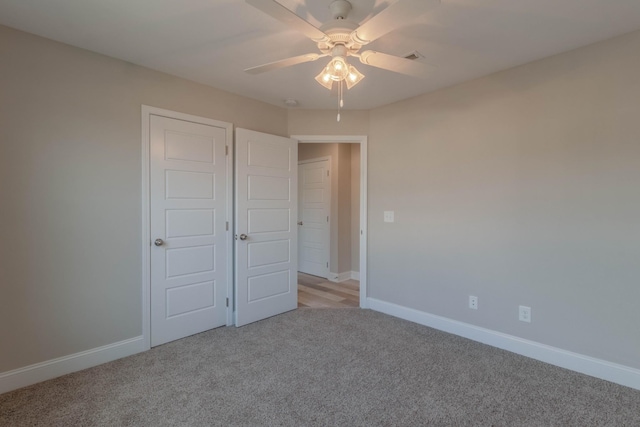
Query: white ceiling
[[212, 41]]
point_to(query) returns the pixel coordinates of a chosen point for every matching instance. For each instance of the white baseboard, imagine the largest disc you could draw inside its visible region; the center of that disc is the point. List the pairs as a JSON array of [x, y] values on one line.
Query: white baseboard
[[22, 377], [355, 275], [598, 368]]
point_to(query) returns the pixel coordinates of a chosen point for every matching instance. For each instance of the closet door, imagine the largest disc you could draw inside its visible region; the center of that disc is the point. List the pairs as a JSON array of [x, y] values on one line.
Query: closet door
[[188, 217]]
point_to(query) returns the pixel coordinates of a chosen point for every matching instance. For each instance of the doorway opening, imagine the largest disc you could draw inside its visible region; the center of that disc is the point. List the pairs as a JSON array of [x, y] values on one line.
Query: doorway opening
[[332, 182], [318, 292]]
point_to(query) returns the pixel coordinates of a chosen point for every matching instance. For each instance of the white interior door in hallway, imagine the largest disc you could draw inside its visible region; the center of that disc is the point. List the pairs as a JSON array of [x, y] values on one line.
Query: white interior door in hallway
[[314, 206], [189, 208], [266, 234]]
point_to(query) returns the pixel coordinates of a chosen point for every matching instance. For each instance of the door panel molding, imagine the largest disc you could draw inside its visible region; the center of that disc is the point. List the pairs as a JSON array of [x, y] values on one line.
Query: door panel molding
[[266, 174], [324, 232], [147, 113], [362, 140]]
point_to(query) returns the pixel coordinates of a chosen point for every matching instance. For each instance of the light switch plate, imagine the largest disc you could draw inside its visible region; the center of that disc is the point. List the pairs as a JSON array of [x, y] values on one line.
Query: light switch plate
[[524, 314], [389, 216]]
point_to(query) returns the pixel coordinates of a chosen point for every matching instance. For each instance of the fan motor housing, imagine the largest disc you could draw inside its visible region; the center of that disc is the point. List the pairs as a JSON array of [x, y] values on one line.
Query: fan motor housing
[[339, 31]]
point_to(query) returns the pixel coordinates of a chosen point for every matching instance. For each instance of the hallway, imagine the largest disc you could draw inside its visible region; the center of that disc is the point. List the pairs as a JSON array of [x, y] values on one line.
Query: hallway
[[318, 292]]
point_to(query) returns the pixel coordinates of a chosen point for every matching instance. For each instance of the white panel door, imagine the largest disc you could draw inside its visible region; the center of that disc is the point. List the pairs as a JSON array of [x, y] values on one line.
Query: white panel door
[[266, 233], [314, 205], [188, 201]]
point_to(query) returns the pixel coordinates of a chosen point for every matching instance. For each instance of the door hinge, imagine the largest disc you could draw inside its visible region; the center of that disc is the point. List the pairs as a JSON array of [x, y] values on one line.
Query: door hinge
[[327, 264], [327, 172], [327, 218], [226, 150], [227, 226], [227, 302]]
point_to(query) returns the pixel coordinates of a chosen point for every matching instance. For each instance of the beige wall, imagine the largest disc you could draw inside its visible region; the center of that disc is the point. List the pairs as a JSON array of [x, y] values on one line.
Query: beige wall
[[519, 188], [70, 156], [355, 207], [344, 208], [323, 122]]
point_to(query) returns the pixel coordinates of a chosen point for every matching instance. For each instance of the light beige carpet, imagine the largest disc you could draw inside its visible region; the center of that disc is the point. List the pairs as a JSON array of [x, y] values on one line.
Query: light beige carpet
[[342, 367]]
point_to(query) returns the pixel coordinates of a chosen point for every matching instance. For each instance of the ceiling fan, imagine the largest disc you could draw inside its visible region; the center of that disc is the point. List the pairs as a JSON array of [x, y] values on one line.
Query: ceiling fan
[[341, 38]]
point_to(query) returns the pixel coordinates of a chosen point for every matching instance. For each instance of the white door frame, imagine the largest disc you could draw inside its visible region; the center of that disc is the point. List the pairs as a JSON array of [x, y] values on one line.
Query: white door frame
[[147, 112], [328, 249], [362, 140]]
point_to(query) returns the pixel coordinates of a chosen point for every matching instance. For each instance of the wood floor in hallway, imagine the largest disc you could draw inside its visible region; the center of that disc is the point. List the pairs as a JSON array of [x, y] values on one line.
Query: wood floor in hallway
[[318, 292]]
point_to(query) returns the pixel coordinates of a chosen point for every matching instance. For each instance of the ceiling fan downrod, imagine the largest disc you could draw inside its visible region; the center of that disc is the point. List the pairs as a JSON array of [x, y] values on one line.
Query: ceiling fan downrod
[[340, 9]]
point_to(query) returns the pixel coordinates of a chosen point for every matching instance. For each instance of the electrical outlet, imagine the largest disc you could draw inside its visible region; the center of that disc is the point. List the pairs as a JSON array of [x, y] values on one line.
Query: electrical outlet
[[524, 314], [473, 302], [389, 216]]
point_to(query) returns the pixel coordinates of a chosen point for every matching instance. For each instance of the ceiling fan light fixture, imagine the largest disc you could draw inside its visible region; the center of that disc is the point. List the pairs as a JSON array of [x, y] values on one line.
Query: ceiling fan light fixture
[[353, 77], [338, 69], [341, 38], [324, 78]]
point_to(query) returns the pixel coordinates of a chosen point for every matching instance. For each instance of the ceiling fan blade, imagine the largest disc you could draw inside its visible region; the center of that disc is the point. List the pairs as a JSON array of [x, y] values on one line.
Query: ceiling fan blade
[[396, 63], [284, 63], [394, 16], [282, 14]]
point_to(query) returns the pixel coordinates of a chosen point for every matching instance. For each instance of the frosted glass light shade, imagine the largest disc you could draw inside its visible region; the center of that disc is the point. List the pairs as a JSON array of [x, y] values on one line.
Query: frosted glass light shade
[[324, 78], [338, 68], [354, 77]]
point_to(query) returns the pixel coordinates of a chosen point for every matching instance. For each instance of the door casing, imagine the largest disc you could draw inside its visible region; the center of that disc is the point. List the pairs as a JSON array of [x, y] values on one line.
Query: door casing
[[362, 140]]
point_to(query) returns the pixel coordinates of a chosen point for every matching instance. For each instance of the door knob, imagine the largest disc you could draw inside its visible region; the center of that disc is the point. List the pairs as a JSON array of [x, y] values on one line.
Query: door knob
[[243, 237], [299, 222], [158, 242]]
